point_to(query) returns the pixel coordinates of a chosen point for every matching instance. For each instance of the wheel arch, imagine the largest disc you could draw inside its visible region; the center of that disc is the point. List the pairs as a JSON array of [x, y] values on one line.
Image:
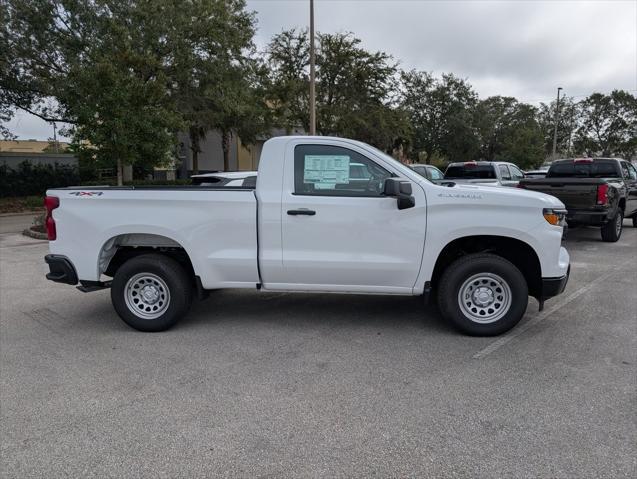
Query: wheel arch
[[120, 248], [518, 252]]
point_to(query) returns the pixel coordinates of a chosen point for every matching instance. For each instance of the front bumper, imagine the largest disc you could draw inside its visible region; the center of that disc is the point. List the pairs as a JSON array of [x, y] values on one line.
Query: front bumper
[[61, 270], [554, 286]]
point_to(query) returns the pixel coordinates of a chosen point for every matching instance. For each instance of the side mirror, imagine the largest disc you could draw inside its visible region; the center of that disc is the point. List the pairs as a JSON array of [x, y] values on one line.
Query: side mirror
[[401, 190]]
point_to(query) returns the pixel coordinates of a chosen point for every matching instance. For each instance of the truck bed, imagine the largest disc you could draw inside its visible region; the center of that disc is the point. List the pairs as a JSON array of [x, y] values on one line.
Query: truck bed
[[216, 226]]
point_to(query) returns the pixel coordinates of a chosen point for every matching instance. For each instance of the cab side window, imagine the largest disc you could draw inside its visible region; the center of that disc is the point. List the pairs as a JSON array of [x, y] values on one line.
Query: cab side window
[[325, 170], [504, 172], [516, 174], [629, 171], [435, 174]]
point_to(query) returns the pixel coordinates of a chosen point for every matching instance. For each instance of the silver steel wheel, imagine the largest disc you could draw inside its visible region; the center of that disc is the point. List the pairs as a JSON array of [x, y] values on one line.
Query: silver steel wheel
[[484, 298], [147, 295]]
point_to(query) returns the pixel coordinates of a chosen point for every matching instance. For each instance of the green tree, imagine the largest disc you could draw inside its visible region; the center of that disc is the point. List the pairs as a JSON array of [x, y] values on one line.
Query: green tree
[[508, 131], [440, 112], [567, 122], [608, 124], [354, 88], [98, 66], [218, 82], [127, 75]]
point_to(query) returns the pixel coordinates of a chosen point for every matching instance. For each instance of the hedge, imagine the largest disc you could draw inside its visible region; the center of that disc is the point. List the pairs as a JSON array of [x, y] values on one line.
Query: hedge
[[29, 179]]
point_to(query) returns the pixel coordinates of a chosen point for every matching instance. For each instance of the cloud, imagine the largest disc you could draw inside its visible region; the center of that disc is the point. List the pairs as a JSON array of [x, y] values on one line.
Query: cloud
[[517, 48]]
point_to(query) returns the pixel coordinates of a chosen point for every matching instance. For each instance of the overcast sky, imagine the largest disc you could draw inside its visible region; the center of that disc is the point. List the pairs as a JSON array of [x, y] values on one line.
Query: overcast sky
[[524, 49]]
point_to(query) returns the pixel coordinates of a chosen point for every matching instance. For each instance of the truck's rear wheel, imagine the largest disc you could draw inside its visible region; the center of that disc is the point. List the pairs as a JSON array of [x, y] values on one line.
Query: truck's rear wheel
[[151, 292], [483, 294], [612, 230], [635, 220]]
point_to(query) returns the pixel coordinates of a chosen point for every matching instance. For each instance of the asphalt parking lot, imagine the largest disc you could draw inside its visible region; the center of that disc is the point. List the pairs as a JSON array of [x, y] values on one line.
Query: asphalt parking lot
[[296, 385]]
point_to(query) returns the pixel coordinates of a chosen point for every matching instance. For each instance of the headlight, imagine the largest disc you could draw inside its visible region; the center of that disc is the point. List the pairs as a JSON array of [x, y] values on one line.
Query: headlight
[[554, 216]]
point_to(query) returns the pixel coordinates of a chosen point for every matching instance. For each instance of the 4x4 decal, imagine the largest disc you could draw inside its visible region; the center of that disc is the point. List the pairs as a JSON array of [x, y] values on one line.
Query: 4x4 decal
[[86, 193]]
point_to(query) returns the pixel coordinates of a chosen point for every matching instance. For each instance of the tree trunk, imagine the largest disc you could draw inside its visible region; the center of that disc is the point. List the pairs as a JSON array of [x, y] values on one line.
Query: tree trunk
[[225, 145], [120, 172], [195, 161], [194, 147]]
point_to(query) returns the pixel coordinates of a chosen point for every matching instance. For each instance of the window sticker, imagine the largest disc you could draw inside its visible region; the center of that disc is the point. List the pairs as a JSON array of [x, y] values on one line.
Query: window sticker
[[326, 171]]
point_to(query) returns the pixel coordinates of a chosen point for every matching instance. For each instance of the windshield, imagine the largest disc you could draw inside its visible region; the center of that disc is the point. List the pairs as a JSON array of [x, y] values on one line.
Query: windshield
[[471, 171], [592, 169]]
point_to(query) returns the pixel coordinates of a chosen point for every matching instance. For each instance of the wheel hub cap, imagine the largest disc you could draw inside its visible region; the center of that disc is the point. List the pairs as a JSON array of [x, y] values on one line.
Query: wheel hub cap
[[150, 294], [147, 295], [484, 298]]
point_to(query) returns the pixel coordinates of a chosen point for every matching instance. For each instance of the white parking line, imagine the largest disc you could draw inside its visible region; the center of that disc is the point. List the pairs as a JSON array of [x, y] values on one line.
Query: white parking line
[[497, 344]]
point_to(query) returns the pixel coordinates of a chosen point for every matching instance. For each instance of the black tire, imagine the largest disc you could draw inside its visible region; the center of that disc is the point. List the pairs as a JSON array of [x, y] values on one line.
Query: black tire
[[635, 221], [165, 281], [612, 231], [493, 273]]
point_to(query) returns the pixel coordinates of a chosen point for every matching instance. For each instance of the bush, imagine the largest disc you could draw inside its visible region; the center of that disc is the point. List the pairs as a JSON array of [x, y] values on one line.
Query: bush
[[29, 179]]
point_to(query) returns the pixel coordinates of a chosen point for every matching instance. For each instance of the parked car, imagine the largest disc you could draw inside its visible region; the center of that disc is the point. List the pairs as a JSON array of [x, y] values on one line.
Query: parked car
[[493, 173], [596, 192], [428, 171], [307, 227], [226, 178]]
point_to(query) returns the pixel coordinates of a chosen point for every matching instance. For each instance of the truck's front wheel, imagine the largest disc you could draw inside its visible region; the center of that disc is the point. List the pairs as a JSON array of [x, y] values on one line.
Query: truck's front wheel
[[151, 292], [483, 294]]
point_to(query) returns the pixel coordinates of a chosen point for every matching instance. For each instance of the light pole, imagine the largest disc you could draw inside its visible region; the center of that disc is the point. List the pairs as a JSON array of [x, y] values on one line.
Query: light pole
[[557, 116], [55, 138], [312, 74]]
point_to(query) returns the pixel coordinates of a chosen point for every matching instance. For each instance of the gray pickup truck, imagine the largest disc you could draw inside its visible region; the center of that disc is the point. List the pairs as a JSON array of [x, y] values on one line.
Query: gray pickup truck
[[490, 173], [596, 191]]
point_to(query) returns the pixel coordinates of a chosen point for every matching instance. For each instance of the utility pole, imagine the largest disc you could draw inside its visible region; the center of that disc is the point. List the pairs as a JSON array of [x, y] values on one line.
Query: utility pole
[[55, 138], [557, 117], [570, 133], [312, 74]]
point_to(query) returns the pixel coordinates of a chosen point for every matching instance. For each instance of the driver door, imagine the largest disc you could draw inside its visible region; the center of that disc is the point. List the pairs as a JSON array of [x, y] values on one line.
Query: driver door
[[339, 233]]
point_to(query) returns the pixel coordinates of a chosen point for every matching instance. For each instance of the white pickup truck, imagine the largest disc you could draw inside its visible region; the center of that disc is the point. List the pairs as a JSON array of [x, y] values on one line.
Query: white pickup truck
[[310, 224]]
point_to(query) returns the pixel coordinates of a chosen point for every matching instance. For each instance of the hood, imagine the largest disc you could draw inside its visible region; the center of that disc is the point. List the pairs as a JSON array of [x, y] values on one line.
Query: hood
[[500, 195]]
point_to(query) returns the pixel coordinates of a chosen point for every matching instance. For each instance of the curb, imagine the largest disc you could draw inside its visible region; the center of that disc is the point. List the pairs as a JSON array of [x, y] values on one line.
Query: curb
[[34, 234], [24, 213]]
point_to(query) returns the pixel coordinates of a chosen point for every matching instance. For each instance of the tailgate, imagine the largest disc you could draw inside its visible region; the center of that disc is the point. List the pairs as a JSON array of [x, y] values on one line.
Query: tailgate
[[574, 195]]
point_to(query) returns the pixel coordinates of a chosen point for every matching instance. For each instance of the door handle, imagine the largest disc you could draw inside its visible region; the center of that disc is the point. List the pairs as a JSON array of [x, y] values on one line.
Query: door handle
[[302, 211]]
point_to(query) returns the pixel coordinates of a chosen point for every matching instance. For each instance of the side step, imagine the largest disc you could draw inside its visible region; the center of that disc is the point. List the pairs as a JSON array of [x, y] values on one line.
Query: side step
[[90, 286]]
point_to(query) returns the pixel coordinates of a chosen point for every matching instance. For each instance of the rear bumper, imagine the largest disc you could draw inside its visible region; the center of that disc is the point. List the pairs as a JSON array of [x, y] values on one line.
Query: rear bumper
[[587, 217], [61, 270], [554, 286]]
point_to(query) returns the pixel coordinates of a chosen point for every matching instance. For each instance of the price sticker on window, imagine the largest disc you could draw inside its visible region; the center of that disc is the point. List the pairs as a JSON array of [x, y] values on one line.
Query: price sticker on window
[[326, 171]]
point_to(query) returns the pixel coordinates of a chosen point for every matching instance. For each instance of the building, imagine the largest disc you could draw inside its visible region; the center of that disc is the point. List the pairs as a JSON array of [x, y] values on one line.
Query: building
[[32, 146], [14, 152], [242, 157]]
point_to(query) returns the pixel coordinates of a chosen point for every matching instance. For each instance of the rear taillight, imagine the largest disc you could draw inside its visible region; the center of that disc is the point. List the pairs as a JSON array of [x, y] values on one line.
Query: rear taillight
[[50, 203], [602, 194], [583, 160]]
